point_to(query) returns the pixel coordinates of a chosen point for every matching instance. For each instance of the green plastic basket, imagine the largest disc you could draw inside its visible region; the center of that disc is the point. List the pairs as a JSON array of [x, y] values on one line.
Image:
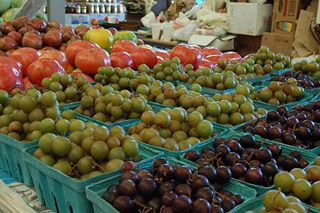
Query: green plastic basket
[[220, 131], [70, 106], [156, 107], [11, 158], [256, 204], [95, 191], [259, 189], [207, 90], [257, 81], [62, 193], [280, 72]]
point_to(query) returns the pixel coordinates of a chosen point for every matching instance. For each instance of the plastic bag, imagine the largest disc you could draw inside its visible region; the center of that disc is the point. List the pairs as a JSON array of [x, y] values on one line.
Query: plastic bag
[[210, 19], [149, 19], [185, 33], [192, 14], [181, 21]]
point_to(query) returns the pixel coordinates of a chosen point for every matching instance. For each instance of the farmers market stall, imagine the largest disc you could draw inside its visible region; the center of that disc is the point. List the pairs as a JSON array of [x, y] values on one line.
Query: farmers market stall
[[96, 119]]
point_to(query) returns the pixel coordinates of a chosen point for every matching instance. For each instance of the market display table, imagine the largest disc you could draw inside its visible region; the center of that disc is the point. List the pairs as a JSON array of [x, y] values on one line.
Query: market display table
[[16, 197], [159, 43]]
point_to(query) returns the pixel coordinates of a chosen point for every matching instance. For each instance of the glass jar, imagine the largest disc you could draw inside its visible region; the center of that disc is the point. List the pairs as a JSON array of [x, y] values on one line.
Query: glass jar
[[78, 8], [108, 8], [84, 9], [102, 8], [96, 8], [90, 8]]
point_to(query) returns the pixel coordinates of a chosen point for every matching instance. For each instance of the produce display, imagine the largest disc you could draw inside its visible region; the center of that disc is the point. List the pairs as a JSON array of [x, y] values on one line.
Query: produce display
[[278, 93], [295, 127], [29, 115], [275, 200], [112, 107], [83, 106], [311, 68], [298, 78], [173, 188], [302, 184], [172, 129], [247, 159], [88, 151]]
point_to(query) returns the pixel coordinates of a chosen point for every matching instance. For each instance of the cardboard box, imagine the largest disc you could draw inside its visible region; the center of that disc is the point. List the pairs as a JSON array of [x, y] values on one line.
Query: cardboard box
[[278, 42], [285, 14], [225, 43], [248, 44], [249, 18]]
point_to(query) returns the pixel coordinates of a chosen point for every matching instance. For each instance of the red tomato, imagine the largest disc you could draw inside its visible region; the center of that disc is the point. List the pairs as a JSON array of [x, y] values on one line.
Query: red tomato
[[57, 55], [213, 58], [195, 47], [121, 59], [229, 56], [211, 51], [159, 59], [11, 61], [25, 56], [144, 56], [124, 45], [80, 73], [76, 47], [10, 77], [88, 61], [27, 84], [206, 63], [42, 68], [187, 55], [163, 54]]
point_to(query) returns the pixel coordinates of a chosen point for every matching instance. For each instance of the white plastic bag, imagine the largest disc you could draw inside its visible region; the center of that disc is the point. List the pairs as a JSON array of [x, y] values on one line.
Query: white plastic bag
[[185, 33], [181, 21], [210, 19], [192, 14], [149, 19]]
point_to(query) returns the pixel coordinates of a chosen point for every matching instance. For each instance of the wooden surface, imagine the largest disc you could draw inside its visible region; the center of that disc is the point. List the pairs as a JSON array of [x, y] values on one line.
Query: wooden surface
[[31, 8]]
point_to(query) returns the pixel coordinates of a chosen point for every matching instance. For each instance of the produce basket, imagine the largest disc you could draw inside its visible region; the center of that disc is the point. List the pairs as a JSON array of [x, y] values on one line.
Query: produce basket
[[95, 191], [280, 72], [207, 90], [70, 106], [257, 81], [259, 189], [315, 151], [256, 204], [220, 131], [11, 158], [62, 193]]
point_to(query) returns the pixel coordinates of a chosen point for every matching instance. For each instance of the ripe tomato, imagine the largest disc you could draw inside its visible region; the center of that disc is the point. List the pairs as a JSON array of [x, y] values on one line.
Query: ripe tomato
[[159, 59], [121, 59], [187, 55], [213, 58], [10, 77], [11, 61], [27, 84], [229, 56], [144, 56], [76, 47], [42, 68], [88, 61], [206, 63], [163, 54], [57, 55], [25, 56], [124, 45], [211, 51]]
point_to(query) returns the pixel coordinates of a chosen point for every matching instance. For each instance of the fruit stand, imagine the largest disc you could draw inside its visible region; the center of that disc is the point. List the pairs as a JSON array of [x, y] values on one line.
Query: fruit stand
[[98, 120]]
